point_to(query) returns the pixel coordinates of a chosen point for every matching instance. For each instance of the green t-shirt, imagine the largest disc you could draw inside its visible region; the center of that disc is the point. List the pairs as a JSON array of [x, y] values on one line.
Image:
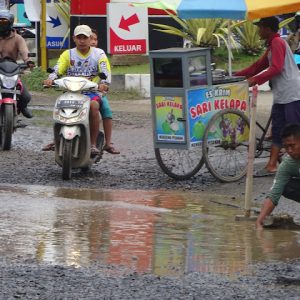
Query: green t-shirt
[[288, 168]]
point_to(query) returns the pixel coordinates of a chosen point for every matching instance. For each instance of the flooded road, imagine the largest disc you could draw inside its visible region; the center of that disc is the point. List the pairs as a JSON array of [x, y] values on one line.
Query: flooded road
[[158, 232], [125, 230]]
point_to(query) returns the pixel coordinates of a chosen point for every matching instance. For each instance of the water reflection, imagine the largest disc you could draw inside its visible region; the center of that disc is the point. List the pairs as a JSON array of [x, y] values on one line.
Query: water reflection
[[166, 233]]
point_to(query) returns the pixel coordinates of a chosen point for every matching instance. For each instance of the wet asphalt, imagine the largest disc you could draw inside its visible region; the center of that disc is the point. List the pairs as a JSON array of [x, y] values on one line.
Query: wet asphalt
[[135, 168]]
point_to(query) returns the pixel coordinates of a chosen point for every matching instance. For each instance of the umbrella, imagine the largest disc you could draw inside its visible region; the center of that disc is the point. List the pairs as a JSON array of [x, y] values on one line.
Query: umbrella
[[229, 9]]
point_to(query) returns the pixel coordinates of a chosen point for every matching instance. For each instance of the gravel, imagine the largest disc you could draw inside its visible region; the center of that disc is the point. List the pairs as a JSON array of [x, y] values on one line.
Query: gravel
[[134, 168]]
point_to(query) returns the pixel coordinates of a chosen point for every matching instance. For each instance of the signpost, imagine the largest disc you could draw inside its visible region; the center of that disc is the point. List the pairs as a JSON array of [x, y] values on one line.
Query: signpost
[[128, 29], [57, 29]]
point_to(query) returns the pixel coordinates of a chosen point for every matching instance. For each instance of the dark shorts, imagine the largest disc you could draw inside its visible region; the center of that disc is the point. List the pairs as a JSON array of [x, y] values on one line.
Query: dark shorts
[[292, 189], [283, 114]]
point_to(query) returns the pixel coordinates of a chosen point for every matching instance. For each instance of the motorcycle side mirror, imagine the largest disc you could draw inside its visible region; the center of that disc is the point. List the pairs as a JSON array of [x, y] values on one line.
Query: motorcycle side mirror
[[102, 76]]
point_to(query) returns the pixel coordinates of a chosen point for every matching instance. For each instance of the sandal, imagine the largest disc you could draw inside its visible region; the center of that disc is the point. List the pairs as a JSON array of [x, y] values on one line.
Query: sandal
[[49, 147], [110, 149], [94, 150], [263, 173]]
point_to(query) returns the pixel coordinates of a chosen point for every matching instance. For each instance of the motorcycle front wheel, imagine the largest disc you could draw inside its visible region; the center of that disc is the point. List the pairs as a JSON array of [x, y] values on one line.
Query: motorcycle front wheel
[[67, 160], [7, 126]]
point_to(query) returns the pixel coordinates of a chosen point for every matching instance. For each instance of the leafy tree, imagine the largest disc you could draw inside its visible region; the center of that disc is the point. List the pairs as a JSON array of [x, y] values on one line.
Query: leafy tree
[[200, 32], [247, 35]]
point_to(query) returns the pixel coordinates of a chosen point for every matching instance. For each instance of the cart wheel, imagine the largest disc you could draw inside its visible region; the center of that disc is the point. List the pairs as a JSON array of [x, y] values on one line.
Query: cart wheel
[[225, 145], [262, 145], [180, 164]]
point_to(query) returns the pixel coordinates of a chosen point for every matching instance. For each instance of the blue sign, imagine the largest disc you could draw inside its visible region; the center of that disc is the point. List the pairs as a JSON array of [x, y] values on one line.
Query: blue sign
[[56, 43]]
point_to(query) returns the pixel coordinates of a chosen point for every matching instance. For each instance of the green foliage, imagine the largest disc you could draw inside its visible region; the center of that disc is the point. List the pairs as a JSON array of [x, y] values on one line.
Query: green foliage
[[134, 69], [34, 83], [289, 23], [131, 94], [200, 32], [248, 37], [241, 59], [34, 79]]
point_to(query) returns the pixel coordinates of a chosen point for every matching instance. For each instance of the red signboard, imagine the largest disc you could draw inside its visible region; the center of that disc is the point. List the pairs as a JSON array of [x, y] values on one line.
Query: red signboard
[[128, 29], [98, 7], [88, 7], [121, 46]]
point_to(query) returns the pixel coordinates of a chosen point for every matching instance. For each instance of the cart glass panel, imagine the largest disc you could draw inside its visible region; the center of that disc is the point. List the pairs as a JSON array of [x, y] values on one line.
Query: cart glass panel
[[197, 70], [168, 72]]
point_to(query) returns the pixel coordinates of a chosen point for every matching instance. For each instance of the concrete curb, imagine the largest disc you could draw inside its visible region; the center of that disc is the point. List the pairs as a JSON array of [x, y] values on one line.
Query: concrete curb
[[141, 82]]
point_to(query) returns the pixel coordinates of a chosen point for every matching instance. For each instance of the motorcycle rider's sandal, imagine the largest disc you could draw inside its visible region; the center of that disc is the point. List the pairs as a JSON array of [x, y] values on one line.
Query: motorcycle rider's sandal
[[110, 149], [49, 147], [94, 151]]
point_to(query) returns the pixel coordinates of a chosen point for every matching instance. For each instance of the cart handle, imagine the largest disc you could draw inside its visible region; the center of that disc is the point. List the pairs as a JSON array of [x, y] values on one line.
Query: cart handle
[[181, 119]]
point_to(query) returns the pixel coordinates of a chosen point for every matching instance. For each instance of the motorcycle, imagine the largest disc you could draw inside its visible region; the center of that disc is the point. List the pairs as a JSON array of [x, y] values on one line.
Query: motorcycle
[[71, 126], [10, 89]]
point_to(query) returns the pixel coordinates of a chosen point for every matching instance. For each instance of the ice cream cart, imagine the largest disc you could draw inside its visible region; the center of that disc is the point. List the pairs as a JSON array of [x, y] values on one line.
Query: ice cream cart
[[199, 115]]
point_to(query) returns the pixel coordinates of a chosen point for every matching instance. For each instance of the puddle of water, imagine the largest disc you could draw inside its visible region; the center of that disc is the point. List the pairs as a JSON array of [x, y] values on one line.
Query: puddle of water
[[165, 233]]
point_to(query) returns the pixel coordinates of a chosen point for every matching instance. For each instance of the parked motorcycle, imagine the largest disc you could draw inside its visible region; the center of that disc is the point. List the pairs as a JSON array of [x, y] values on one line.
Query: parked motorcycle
[[10, 89], [71, 126]]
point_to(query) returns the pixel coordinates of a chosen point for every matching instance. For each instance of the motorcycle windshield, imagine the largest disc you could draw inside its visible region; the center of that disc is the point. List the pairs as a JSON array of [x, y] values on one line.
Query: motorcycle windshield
[[9, 68]]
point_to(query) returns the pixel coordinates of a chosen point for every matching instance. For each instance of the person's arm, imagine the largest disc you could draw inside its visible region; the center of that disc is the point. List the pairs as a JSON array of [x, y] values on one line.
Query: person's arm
[[60, 68], [285, 171], [266, 210], [22, 48], [278, 50], [260, 65], [104, 67]]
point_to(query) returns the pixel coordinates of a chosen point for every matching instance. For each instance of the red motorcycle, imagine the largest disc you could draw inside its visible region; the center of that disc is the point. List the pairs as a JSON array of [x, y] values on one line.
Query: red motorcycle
[[10, 89]]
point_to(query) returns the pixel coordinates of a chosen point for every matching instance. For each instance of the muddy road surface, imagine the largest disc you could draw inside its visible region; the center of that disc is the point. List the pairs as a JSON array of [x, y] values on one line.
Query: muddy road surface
[[135, 169]]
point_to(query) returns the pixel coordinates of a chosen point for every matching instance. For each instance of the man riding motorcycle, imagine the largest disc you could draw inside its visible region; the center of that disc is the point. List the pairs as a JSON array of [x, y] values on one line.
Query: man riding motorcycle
[[86, 61], [12, 45]]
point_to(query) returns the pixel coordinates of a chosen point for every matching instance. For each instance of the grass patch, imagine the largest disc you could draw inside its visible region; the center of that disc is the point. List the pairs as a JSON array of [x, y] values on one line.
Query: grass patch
[[34, 80], [239, 62], [124, 95], [42, 118], [117, 70], [135, 69]]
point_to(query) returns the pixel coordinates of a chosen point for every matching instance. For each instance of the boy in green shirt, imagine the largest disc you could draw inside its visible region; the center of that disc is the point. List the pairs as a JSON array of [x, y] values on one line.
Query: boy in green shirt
[[287, 179]]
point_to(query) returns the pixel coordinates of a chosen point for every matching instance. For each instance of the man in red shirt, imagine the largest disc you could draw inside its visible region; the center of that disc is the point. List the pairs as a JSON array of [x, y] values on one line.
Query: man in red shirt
[[277, 65]]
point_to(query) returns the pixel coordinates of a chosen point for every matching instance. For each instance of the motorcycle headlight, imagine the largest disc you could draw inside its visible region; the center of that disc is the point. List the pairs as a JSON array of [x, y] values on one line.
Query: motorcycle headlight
[[74, 85], [59, 117], [9, 82]]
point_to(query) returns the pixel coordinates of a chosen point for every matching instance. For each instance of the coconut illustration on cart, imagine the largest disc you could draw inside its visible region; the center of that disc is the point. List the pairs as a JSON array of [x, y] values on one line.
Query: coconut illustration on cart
[[168, 115], [170, 125]]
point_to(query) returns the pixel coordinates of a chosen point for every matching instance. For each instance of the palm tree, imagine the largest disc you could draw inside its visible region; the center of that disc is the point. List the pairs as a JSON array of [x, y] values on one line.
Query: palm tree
[[200, 32], [247, 35]]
